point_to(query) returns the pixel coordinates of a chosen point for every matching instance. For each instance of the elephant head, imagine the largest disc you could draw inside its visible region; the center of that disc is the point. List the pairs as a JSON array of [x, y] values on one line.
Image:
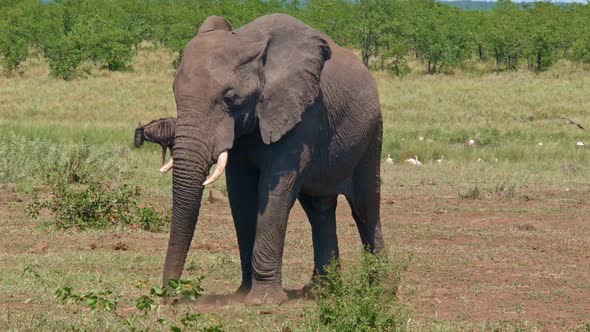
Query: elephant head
[[257, 80]]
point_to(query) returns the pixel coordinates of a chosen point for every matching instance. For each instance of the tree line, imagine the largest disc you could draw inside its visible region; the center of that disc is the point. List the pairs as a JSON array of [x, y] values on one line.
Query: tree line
[[387, 33]]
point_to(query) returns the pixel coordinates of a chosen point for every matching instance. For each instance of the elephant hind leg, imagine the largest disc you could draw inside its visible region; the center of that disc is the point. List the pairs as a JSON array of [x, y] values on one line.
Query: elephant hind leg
[[321, 212], [365, 195], [368, 223]]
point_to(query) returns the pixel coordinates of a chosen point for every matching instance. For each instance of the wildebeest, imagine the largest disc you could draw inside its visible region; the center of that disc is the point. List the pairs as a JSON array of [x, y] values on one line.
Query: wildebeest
[[158, 131]]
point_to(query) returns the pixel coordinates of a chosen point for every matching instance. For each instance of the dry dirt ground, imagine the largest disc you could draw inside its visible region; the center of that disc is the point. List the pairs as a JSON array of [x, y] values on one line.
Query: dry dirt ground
[[525, 259]]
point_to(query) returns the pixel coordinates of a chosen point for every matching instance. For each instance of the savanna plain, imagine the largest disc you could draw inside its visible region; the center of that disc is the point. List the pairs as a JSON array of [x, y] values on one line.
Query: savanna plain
[[493, 235]]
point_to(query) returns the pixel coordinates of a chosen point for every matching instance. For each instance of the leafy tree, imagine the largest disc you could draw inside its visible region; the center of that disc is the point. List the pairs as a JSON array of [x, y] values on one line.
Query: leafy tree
[[543, 36], [506, 38], [104, 42], [371, 18], [442, 39], [64, 56], [479, 25], [332, 17], [16, 26], [582, 48]]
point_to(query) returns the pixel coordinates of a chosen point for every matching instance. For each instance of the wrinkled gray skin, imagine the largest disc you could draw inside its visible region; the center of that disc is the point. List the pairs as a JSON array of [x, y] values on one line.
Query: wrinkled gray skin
[[300, 118]]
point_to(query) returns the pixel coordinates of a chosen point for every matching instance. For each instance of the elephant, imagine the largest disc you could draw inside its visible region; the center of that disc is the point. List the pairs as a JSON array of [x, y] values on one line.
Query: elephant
[[287, 114]]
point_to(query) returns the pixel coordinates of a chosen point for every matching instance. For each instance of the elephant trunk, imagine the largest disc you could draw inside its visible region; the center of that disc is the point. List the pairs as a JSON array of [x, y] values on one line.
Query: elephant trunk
[[192, 161]]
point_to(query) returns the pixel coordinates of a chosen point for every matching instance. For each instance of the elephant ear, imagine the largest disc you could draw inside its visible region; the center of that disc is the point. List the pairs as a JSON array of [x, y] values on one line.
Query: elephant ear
[[292, 66], [213, 23]]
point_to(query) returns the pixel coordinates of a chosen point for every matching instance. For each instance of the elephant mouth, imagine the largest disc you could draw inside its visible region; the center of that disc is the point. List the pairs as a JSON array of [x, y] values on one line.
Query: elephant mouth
[[221, 163]]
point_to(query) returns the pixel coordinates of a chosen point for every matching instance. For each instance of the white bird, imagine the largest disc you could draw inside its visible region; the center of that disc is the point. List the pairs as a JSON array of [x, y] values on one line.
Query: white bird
[[414, 161], [471, 142], [441, 159], [479, 160], [580, 143], [420, 138], [540, 144], [389, 160]]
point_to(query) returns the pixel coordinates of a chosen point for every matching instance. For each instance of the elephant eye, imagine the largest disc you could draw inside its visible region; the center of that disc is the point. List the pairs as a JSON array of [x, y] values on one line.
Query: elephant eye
[[230, 97]]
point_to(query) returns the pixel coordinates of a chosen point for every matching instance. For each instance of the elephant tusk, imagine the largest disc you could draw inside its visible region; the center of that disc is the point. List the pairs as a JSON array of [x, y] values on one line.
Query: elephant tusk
[[221, 162], [167, 167]]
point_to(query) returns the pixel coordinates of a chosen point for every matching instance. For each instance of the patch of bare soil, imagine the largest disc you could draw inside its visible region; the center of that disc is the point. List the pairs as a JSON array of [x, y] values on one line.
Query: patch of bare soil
[[494, 259], [469, 260]]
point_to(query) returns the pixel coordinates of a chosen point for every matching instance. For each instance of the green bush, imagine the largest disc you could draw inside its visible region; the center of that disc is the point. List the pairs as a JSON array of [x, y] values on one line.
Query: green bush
[[363, 300], [97, 206], [151, 220], [64, 57]]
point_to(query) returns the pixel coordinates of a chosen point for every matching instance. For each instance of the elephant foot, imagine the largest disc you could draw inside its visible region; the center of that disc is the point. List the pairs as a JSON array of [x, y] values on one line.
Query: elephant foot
[[242, 291], [261, 295]]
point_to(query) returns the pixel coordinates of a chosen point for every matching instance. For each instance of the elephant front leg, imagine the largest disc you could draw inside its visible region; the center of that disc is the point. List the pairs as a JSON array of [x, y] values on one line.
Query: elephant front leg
[[273, 212], [242, 187]]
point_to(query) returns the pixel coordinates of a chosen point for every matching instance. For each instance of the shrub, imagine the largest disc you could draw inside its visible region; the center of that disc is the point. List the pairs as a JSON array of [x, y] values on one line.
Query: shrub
[[151, 220], [64, 57], [470, 193], [97, 206], [500, 190], [363, 300]]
